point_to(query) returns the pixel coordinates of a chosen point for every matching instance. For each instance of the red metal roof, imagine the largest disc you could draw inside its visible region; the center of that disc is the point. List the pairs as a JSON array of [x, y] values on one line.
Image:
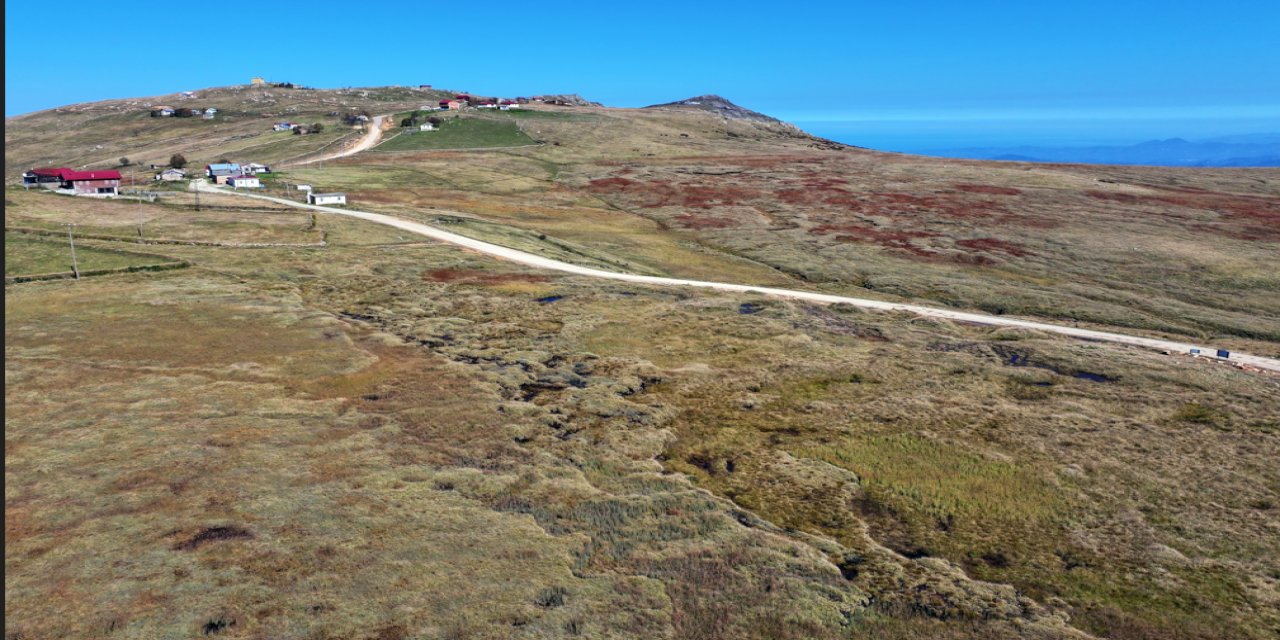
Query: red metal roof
[[69, 175], [50, 171]]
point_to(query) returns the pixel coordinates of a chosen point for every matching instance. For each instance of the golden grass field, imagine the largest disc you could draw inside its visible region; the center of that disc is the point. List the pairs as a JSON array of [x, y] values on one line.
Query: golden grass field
[[384, 437]]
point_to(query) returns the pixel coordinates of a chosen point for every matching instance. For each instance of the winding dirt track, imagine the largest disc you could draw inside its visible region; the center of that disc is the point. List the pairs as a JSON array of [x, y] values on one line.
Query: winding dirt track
[[533, 260], [368, 141]]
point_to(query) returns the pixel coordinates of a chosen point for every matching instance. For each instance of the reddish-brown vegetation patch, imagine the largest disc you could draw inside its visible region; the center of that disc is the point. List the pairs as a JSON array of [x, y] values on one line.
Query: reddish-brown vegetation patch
[[988, 189], [1247, 217], [749, 162], [479, 276], [886, 238], [994, 244], [609, 185], [656, 193]]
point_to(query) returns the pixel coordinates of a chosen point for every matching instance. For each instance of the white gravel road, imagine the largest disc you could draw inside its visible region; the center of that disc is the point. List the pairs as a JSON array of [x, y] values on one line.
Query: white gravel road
[[533, 260]]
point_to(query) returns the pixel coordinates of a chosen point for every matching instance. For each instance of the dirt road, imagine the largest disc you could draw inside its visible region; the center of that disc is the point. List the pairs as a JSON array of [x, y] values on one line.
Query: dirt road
[[533, 260], [366, 142]]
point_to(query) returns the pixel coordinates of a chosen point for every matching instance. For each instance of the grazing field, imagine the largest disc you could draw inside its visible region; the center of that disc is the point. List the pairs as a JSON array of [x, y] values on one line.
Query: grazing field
[[223, 219], [459, 133], [384, 437], [26, 255]]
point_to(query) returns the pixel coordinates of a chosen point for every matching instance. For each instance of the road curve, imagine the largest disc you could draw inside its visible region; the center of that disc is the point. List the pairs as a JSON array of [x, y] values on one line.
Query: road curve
[[366, 142], [532, 260]]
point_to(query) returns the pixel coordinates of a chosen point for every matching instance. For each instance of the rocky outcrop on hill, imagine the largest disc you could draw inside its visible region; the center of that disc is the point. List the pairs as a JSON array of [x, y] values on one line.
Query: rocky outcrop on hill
[[570, 100], [717, 104]]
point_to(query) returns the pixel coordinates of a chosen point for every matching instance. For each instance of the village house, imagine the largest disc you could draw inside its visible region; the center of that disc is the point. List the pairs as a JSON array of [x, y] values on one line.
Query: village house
[[225, 166], [426, 126], [326, 198], [161, 111], [450, 105], [172, 175], [244, 182], [424, 86], [253, 168], [257, 81], [80, 183], [284, 126], [220, 173]]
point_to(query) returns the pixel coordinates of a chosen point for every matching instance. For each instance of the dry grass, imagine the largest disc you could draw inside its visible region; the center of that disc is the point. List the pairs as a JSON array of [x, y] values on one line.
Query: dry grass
[[391, 438]]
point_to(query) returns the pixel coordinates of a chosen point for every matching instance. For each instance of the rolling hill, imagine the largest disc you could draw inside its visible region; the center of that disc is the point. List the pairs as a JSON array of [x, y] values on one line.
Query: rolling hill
[[328, 429]]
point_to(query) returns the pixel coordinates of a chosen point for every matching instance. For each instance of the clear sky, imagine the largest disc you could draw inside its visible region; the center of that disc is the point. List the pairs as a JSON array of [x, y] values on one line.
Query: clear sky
[[844, 62]]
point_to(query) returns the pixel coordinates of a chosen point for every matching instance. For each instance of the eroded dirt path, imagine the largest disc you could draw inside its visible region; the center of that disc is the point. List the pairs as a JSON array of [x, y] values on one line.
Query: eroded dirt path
[[369, 140], [533, 260]]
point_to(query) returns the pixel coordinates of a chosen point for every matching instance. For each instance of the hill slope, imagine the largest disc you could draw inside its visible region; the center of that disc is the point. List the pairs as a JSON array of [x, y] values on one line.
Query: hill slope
[[327, 429]]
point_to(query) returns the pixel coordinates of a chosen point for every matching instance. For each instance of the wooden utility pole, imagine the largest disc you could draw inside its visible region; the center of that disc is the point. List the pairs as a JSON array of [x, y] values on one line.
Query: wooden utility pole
[[75, 266]]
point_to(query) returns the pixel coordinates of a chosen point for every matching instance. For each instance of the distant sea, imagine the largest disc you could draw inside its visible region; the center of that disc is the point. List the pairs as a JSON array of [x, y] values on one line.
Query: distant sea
[[1177, 143]]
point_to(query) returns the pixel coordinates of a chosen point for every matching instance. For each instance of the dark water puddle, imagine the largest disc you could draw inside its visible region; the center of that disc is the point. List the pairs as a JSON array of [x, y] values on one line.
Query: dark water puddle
[[748, 308], [1024, 360], [548, 299]]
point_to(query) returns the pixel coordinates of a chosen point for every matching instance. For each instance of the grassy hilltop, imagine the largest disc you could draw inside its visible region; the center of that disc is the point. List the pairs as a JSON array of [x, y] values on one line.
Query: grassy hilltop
[[329, 429]]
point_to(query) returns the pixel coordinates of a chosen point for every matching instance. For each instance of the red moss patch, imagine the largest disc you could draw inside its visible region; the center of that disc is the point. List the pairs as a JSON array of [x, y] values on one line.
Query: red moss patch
[[858, 233], [988, 189], [610, 185], [1244, 217]]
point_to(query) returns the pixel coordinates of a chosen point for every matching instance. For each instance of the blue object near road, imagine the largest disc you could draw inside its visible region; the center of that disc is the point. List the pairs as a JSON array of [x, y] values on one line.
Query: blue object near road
[[1223, 353], [548, 299]]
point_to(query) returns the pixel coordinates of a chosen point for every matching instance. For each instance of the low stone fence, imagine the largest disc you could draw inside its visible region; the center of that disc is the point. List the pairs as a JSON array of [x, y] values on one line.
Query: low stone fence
[[323, 242]]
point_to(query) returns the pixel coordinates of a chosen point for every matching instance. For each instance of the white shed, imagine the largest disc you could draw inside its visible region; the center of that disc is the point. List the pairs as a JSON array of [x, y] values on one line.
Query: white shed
[[426, 126], [326, 198], [245, 182]]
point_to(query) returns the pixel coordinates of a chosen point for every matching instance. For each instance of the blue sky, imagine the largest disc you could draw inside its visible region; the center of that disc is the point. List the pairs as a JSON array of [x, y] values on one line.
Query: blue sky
[[847, 63]]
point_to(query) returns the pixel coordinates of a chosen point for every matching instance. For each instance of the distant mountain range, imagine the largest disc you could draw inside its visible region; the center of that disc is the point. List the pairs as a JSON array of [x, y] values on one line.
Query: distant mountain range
[[1254, 150]]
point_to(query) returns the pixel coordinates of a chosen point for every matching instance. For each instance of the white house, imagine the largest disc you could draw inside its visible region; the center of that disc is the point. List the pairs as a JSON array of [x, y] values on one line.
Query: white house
[[284, 126], [253, 168], [302, 187], [245, 182], [171, 175], [426, 126], [326, 198]]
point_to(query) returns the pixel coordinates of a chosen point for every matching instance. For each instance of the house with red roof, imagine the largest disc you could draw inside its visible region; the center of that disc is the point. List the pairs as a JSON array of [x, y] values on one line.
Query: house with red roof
[[80, 183]]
